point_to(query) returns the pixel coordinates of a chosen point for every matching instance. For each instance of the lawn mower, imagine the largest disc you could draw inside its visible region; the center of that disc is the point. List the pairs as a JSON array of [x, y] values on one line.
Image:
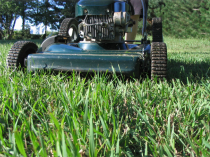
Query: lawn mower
[[93, 42]]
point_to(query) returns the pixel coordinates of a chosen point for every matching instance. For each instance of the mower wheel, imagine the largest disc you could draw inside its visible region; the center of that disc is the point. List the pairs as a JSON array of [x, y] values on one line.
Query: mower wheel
[[19, 52], [157, 35], [69, 28], [158, 60]]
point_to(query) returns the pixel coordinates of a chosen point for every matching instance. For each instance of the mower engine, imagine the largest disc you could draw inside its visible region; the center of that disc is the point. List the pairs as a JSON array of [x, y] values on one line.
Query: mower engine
[[109, 25]]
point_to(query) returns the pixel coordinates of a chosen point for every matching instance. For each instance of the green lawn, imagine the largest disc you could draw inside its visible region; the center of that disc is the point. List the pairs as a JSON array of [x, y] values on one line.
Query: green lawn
[[69, 115]]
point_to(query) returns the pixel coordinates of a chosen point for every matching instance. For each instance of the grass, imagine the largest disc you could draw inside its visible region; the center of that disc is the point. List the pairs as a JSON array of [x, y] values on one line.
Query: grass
[[188, 58], [69, 115]]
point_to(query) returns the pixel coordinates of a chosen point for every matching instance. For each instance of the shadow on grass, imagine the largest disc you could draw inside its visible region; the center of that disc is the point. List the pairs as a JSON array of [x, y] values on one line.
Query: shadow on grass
[[187, 71]]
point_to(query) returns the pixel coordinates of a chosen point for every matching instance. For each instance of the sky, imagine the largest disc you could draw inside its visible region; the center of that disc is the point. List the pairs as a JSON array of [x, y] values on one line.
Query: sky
[[18, 24]]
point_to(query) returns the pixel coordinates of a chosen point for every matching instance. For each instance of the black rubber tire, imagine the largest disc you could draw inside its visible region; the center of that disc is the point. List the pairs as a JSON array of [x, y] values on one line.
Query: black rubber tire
[[157, 35], [158, 60], [18, 52], [66, 25]]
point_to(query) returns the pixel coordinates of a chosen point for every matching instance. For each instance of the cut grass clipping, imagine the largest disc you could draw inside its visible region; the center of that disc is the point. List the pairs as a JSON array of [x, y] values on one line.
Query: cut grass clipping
[[69, 115]]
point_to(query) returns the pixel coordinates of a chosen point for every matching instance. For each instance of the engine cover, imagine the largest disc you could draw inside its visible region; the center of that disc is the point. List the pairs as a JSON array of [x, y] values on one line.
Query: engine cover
[[99, 27]]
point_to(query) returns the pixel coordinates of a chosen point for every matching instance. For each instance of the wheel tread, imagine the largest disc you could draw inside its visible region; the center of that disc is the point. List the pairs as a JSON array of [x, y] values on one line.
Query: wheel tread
[[64, 27], [13, 57], [157, 29], [158, 60]]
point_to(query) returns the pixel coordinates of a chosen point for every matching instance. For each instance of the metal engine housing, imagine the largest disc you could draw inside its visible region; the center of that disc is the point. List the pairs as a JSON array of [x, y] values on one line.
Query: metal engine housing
[[109, 26]]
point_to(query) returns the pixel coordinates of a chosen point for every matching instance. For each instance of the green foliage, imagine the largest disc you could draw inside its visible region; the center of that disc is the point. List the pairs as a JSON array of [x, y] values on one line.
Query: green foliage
[[69, 115], [183, 18], [8, 17], [69, 8]]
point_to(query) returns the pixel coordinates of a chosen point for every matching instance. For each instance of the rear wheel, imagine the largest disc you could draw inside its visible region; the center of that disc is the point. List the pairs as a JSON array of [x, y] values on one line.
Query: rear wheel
[[19, 52], [157, 35], [158, 60], [69, 28]]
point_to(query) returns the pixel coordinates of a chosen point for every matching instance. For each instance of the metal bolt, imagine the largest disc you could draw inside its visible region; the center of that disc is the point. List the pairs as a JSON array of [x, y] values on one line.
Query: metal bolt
[[85, 11]]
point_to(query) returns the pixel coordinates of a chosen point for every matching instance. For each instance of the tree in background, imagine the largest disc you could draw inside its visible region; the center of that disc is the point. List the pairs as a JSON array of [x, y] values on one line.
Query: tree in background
[[24, 12], [46, 12], [68, 10], [50, 15], [8, 17]]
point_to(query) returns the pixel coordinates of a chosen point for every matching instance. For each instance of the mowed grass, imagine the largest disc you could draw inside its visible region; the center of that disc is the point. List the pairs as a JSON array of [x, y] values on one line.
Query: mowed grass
[[69, 115]]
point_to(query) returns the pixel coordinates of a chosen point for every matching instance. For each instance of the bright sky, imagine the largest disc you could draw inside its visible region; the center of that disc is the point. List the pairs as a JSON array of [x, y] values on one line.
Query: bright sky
[[18, 24]]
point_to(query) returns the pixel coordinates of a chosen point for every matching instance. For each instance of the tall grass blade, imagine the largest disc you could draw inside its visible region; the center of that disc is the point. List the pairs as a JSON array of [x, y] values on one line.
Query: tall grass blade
[[91, 138], [118, 146], [206, 144], [55, 122], [34, 142], [64, 151], [85, 117], [105, 132], [43, 150], [58, 149], [19, 143], [72, 147], [167, 151]]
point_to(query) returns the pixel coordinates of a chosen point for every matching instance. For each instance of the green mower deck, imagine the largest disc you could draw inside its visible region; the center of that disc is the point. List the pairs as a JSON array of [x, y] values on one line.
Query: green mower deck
[[66, 58]]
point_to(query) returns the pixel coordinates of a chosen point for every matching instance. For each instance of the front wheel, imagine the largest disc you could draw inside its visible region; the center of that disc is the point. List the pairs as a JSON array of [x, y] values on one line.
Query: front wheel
[[19, 52], [69, 28]]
